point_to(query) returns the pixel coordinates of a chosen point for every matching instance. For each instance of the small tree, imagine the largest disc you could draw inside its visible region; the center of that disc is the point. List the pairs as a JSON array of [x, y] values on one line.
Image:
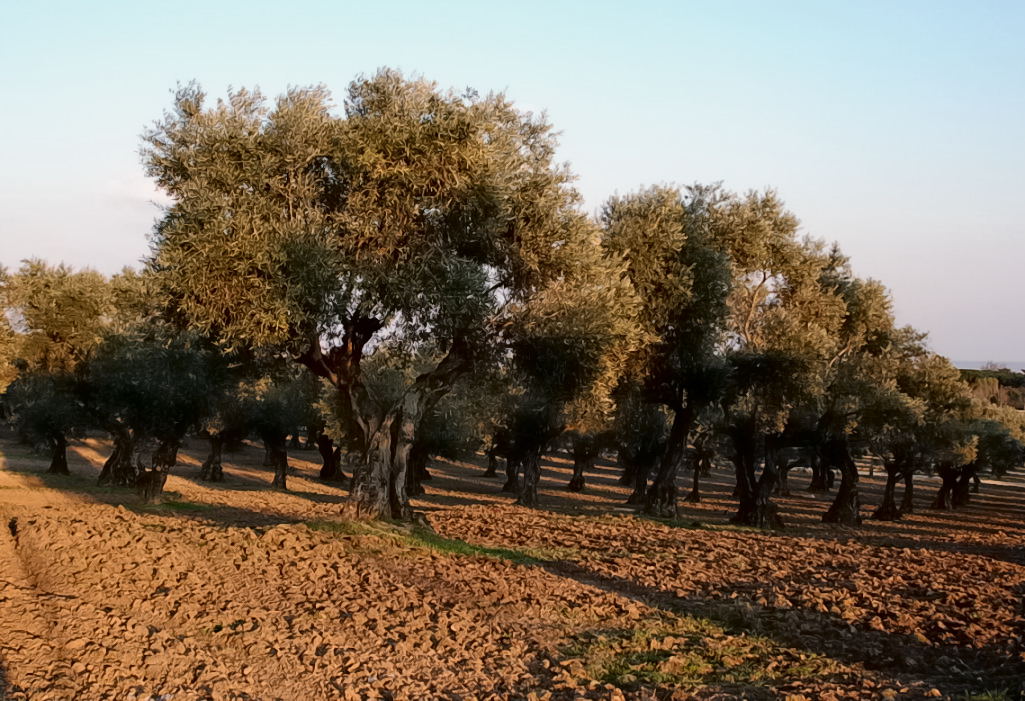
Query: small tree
[[276, 408], [48, 408], [147, 390], [52, 321]]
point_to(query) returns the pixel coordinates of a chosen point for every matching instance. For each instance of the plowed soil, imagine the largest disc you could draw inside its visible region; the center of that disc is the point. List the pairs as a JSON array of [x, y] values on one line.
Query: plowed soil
[[234, 590]]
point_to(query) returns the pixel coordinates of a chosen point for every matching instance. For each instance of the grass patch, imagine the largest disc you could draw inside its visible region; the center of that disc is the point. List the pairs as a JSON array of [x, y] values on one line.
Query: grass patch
[[423, 539], [992, 695], [687, 652]]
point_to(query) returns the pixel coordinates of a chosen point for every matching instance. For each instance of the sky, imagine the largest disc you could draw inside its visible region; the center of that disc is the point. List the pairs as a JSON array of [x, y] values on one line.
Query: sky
[[894, 128]]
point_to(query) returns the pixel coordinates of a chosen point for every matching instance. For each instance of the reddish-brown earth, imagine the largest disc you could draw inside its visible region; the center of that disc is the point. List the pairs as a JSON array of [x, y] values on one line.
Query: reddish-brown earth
[[237, 591]]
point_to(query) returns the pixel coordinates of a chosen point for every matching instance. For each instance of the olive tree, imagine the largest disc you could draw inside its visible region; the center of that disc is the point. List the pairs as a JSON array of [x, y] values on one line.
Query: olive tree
[[53, 318], [417, 216], [675, 250]]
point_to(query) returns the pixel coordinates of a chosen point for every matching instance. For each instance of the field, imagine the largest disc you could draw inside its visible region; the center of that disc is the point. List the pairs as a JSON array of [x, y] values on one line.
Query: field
[[237, 591]]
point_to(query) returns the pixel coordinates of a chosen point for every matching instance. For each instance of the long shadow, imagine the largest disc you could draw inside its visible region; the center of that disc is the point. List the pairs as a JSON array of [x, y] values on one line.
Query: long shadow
[[215, 515], [953, 669]]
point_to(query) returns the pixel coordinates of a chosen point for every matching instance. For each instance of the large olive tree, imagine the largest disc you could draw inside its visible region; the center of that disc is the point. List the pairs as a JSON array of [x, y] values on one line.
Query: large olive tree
[[418, 217]]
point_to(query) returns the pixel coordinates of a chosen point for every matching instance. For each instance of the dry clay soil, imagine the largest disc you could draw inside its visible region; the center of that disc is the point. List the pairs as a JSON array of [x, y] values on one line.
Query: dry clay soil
[[233, 590]]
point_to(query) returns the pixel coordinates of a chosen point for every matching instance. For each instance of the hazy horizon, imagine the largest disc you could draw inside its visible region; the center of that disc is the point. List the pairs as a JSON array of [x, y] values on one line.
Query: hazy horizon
[[893, 129]]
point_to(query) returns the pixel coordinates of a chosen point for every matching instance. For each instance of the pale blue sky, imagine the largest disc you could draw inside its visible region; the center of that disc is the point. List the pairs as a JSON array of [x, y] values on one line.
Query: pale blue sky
[[895, 128]]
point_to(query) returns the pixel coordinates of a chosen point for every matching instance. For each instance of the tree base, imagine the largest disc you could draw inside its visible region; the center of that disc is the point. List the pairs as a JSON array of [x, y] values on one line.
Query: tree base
[[887, 512], [150, 486], [576, 484], [765, 516]]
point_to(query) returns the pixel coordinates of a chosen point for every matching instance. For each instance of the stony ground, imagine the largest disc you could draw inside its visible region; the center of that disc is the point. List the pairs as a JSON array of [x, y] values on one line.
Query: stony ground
[[237, 591]]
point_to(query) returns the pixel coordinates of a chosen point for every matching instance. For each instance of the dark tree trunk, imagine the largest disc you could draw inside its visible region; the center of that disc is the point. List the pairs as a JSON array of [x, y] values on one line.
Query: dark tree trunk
[[371, 490], [313, 434], [962, 490], [212, 470], [845, 509], [907, 503], [512, 474], [820, 472], [628, 477], [585, 452], [150, 482], [531, 477], [119, 470], [59, 456], [492, 470], [279, 459], [150, 485], [417, 471], [744, 448], [783, 485], [268, 455], [499, 448], [293, 443], [944, 500], [756, 506], [331, 459], [639, 468], [888, 510], [976, 482], [662, 495], [694, 496]]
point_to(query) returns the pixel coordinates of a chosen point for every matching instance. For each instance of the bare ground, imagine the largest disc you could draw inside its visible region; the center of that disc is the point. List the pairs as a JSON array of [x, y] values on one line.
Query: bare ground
[[237, 591]]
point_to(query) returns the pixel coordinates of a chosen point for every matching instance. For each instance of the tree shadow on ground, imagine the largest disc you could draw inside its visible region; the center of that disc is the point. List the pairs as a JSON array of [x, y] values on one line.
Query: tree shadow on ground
[[953, 669]]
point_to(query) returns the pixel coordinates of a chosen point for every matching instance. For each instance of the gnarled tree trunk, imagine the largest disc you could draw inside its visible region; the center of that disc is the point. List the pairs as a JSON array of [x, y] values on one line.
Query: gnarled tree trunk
[[756, 506], [212, 470], [845, 509], [907, 503], [512, 474], [119, 470], [59, 455], [661, 496], [331, 460], [944, 500], [278, 449], [962, 490], [820, 471], [531, 462], [888, 510], [585, 452]]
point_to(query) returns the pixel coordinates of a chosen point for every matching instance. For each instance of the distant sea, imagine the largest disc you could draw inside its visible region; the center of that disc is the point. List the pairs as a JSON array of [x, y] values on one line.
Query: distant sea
[[977, 364]]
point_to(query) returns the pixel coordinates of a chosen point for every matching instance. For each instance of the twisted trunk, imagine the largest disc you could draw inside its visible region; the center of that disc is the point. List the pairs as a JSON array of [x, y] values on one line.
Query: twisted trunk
[[277, 447], [585, 452], [888, 510], [512, 474], [944, 500], [119, 470], [907, 503], [756, 506], [821, 474], [331, 459], [661, 496], [499, 448], [628, 477], [846, 506], [417, 473], [212, 470], [531, 476], [59, 455], [639, 468], [962, 490]]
